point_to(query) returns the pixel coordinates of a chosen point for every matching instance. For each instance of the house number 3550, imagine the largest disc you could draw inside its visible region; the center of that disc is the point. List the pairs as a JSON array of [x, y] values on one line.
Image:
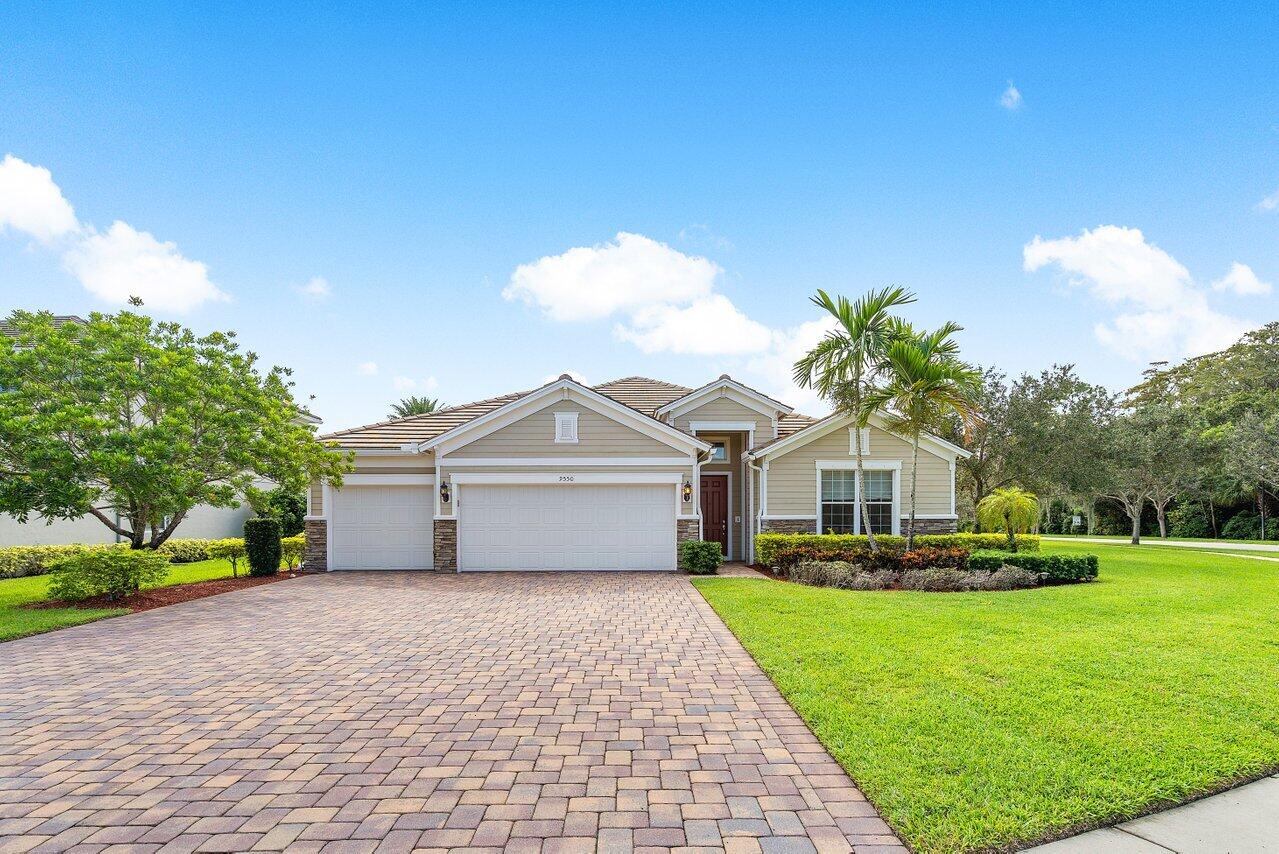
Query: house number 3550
[[566, 478]]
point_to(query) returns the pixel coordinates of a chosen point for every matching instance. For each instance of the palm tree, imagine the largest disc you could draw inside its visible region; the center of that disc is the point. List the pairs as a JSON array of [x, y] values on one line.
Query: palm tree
[[924, 383], [842, 367], [1013, 509], [414, 405]]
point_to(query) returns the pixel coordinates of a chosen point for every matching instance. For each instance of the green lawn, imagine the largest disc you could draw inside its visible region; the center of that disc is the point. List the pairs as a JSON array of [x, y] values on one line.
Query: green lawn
[[976, 720], [1155, 540], [16, 621]]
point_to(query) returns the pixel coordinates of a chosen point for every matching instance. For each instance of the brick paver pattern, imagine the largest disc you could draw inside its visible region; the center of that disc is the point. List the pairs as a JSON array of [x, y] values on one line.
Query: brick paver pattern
[[399, 711]]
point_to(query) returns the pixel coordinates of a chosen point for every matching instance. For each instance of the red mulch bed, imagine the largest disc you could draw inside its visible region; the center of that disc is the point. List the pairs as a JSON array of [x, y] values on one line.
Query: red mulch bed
[[158, 597]]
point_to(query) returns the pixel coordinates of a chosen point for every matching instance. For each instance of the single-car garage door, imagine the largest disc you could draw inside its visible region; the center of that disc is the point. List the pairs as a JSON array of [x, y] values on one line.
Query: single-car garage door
[[568, 527], [381, 527]]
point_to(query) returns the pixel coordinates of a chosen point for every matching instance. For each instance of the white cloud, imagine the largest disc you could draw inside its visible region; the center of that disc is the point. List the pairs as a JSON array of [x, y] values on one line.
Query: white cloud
[[112, 265], [700, 234], [30, 202], [1270, 202], [709, 327], [1163, 313], [410, 384], [1010, 99], [124, 262], [1243, 281], [317, 288], [775, 367], [593, 282], [368, 369]]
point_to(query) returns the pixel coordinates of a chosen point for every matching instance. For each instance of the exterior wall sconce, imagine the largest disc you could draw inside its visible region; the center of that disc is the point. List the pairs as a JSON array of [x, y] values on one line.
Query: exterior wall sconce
[[687, 492], [444, 492]]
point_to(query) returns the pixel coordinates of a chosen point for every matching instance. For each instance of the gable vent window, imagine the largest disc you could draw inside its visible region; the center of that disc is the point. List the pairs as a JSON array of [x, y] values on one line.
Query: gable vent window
[[852, 446], [566, 427]]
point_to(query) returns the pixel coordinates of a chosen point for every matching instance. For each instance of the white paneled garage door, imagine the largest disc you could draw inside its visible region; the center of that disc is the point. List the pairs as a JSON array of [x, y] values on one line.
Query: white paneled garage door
[[381, 527], [568, 527]]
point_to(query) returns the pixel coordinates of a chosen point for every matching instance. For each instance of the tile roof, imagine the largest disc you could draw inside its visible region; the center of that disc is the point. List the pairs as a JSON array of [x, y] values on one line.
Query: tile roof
[[642, 394]]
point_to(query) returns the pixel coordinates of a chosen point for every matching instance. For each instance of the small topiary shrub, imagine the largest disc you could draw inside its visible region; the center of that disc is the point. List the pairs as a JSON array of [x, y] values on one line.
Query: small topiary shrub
[[1056, 569], [292, 549], [700, 557], [262, 545], [185, 550], [230, 550], [113, 573]]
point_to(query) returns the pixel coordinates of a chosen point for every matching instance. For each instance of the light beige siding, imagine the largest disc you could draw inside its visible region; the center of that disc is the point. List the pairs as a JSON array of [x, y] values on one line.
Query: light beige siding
[[317, 498], [792, 477], [725, 409], [377, 464], [534, 436]]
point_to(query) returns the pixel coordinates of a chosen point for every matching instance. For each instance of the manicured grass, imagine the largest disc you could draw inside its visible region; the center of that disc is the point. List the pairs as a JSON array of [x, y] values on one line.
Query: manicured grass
[[16, 621], [976, 720], [1154, 541]]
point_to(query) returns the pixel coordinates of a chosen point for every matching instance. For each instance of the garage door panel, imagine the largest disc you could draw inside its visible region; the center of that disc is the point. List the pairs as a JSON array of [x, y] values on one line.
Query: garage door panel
[[563, 527], [381, 527]]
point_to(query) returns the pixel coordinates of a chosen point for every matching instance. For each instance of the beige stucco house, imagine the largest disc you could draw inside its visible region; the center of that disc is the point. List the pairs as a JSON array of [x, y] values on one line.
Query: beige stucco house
[[571, 477]]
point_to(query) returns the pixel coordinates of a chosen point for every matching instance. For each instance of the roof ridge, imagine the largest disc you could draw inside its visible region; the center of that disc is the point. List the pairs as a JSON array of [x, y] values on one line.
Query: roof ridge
[[643, 379]]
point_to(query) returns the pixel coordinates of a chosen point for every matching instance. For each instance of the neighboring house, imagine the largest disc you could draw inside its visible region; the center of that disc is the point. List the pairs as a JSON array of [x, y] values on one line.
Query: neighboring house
[[570, 477], [202, 522]]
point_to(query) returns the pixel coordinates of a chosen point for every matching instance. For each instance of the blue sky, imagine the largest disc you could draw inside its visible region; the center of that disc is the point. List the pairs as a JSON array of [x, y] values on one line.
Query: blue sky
[[458, 177]]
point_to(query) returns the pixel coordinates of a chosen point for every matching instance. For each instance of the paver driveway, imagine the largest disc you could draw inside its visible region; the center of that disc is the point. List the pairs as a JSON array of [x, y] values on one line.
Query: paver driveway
[[361, 712]]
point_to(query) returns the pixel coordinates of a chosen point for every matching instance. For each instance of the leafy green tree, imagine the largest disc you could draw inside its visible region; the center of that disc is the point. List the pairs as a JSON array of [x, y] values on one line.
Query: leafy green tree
[[1126, 449], [1011, 509], [288, 507], [985, 438], [414, 405], [135, 422], [843, 367], [924, 382], [1171, 440]]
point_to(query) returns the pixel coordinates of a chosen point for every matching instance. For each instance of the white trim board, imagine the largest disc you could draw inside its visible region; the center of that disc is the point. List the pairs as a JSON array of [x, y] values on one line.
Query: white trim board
[[721, 426], [385, 480], [550, 395], [565, 462], [498, 477], [748, 397]]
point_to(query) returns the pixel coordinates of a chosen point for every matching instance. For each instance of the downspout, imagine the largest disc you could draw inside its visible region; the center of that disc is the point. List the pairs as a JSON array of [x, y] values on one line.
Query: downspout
[[759, 513]]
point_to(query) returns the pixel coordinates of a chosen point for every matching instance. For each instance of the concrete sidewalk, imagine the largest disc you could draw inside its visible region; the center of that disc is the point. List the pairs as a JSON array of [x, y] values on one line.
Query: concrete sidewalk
[[1241, 821], [1217, 545]]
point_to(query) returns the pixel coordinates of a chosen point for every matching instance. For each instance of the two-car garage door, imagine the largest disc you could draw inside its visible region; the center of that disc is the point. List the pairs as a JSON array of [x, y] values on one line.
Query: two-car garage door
[[381, 527], [566, 527]]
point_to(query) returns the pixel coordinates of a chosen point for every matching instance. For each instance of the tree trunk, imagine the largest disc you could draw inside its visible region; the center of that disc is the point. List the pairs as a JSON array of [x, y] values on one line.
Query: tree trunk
[[1212, 518], [861, 489], [914, 480], [1135, 516], [1008, 529], [1162, 515]]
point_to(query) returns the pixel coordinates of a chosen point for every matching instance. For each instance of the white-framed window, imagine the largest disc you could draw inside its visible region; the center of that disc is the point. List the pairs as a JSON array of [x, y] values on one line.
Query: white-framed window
[[839, 496], [566, 427], [719, 452], [852, 447]]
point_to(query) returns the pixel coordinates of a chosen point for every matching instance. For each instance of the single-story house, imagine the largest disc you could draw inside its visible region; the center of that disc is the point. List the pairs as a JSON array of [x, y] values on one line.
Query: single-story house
[[607, 477]]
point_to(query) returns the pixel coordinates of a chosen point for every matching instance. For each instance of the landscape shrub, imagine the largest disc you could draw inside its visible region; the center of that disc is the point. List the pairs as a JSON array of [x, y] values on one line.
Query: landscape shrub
[[262, 545], [1189, 520], [21, 561], [941, 580], [292, 549], [187, 550], [700, 557], [1008, 578], [1056, 569], [230, 550], [110, 572], [930, 558], [767, 546], [836, 573], [1247, 526]]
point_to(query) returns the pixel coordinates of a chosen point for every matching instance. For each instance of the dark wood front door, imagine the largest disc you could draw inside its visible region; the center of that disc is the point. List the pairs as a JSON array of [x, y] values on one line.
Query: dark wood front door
[[715, 510]]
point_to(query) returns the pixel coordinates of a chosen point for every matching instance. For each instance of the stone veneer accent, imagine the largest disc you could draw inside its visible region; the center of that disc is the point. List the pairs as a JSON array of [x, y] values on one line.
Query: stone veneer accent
[[790, 526], [933, 526], [315, 558], [445, 545], [685, 529]]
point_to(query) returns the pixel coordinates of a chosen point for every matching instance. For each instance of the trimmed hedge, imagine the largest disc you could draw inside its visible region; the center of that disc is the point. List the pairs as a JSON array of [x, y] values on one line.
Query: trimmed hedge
[[262, 545], [21, 561], [1056, 569], [110, 572], [187, 550], [293, 549], [700, 557], [767, 545]]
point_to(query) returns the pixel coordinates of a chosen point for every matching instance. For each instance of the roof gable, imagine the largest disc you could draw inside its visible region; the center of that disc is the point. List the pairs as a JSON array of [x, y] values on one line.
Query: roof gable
[[726, 386], [933, 444]]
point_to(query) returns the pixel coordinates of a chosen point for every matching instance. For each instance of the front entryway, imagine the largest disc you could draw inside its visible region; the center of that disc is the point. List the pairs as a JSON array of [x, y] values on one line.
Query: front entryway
[[715, 509], [566, 527]]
